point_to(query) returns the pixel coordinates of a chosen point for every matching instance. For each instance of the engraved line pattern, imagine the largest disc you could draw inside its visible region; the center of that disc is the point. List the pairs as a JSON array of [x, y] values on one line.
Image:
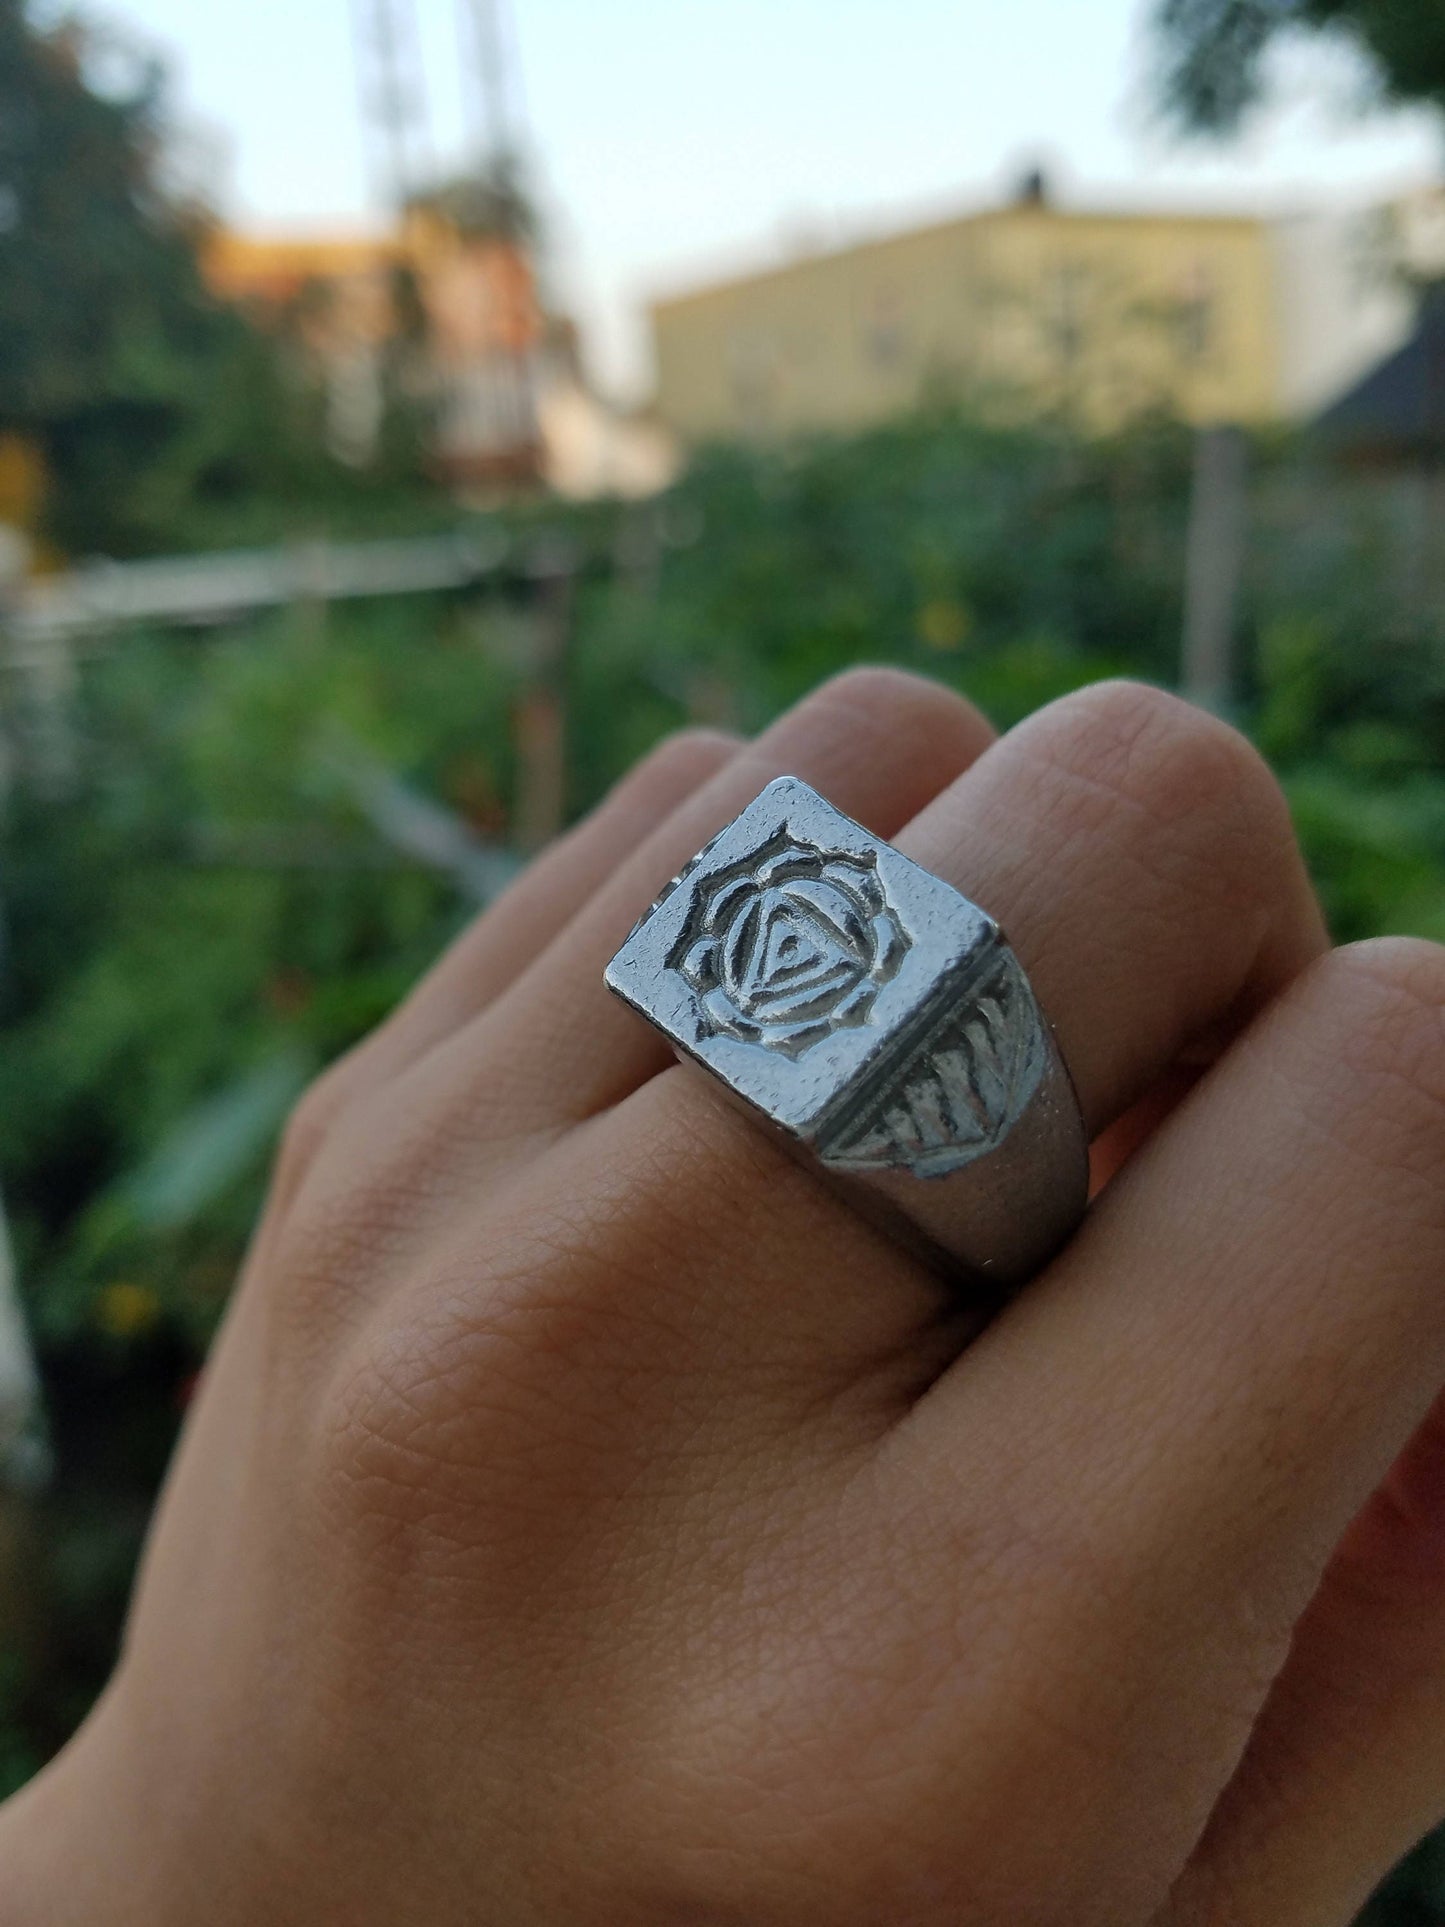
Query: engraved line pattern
[[962, 1095], [789, 944]]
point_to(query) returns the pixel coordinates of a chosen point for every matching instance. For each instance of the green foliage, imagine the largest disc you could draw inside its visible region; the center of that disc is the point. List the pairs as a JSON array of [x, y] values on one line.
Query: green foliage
[[210, 915], [155, 409], [1214, 50], [495, 201]]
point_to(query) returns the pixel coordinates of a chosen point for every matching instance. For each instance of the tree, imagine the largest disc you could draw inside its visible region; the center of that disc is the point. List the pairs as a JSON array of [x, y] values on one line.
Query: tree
[[150, 403], [104, 326], [494, 201], [1214, 50]]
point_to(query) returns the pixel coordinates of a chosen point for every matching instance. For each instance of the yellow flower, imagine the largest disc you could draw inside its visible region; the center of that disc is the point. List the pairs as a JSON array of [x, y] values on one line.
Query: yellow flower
[[944, 624], [125, 1310]]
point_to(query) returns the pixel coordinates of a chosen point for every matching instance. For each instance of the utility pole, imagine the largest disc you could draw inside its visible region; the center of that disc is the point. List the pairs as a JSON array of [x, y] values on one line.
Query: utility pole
[[1214, 566], [393, 106], [539, 724], [489, 64]]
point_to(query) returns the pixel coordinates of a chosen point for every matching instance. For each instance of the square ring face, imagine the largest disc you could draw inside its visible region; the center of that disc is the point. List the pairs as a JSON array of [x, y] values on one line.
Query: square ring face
[[797, 955]]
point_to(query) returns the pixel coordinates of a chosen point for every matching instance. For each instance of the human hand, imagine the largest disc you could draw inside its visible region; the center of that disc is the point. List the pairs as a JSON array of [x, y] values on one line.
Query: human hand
[[585, 1518]]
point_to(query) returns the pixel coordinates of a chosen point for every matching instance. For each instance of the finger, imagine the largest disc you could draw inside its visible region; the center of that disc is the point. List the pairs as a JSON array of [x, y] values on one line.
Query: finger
[[555, 1046], [1111, 1151], [1139, 852], [480, 965], [1346, 1767], [491, 953], [559, 1046], [1141, 859], [814, 1339], [1178, 1422]]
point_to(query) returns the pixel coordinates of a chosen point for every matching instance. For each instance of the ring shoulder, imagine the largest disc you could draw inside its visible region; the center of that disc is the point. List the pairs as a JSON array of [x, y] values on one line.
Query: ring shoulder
[[959, 1093]]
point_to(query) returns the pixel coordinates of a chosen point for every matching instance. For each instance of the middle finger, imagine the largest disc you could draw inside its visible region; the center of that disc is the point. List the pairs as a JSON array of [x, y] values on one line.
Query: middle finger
[[1141, 859]]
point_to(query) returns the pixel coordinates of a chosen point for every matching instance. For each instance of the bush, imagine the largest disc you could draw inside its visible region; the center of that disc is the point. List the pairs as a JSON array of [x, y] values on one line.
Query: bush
[[210, 914]]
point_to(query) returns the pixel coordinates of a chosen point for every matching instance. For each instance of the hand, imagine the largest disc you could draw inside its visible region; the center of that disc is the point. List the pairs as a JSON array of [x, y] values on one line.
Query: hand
[[586, 1518]]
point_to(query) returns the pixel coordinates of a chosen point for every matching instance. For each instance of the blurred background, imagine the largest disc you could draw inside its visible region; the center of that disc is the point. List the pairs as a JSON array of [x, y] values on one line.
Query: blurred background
[[410, 409]]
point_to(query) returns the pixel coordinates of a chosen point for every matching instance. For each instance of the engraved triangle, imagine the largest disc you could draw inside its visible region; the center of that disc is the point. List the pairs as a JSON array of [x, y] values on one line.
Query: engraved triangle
[[793, 946], [794, 950]]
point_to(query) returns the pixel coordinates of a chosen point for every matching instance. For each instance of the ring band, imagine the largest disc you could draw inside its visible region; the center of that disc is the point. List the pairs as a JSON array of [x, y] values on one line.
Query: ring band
[[876, 1017]]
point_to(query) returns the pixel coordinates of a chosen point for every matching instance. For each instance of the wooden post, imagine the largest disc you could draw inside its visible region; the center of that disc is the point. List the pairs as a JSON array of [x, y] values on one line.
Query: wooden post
[[540, 721], [53, 689], [47, 666], [1213, 567]]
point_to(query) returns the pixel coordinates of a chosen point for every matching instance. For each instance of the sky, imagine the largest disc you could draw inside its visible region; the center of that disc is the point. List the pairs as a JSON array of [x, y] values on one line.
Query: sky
[[673, 139]]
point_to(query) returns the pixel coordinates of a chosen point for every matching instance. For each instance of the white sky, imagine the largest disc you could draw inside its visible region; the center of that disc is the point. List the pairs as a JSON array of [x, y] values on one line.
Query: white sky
[[674, 137]]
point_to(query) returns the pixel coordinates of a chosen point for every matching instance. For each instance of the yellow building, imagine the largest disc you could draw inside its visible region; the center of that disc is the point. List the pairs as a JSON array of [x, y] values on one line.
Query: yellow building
[[1020, 308]]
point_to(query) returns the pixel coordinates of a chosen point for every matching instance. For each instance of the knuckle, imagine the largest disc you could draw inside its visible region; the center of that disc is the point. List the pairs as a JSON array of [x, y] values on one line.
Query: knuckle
[[1167, 757], [878, 682], [683, 755], [1383, 1007], [403, 1448], [341, 1230], [875, 683], [1182, 796], [1412, 968], [353, 1204], [1361, 1044], [313, 1119], [883, 699], [389, 1396]]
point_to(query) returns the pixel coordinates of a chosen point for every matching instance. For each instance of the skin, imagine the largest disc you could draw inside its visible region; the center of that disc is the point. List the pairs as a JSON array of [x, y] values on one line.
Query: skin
[[586, 1518]]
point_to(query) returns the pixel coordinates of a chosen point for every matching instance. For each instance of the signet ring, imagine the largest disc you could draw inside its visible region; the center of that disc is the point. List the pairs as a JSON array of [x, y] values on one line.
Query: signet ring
[[876, 1018]]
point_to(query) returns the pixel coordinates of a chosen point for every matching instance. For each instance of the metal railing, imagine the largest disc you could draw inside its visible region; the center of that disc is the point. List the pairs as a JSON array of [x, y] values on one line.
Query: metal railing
[[200, 590]]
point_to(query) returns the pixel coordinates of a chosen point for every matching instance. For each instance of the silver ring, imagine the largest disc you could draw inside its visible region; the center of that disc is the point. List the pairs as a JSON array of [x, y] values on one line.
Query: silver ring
[[878, 1019]]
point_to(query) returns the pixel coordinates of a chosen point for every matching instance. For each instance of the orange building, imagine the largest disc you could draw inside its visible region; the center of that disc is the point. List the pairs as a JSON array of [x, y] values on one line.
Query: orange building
[[466, 306], [275, 270]]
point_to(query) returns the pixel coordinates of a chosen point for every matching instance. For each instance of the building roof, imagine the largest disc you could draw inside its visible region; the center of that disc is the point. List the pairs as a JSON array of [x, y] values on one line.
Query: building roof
[[1399, 407], [1027, 208], [276, 267]]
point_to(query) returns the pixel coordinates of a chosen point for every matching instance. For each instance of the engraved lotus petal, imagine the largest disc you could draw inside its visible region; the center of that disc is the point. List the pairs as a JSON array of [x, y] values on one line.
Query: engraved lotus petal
[[790, 945]]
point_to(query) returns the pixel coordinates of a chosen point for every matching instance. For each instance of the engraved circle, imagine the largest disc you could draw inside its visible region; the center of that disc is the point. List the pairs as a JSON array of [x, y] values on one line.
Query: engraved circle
[[789, 945]]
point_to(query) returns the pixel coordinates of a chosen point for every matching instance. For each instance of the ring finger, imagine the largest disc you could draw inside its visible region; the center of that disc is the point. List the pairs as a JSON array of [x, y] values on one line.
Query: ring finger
[[1140, 857]]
